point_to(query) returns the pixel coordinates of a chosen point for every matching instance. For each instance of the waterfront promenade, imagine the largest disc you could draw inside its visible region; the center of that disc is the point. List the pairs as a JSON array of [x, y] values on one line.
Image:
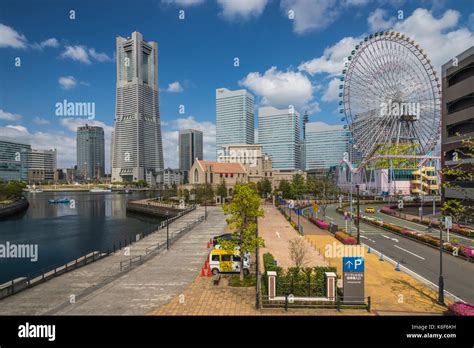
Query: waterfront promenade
[[103, 288]]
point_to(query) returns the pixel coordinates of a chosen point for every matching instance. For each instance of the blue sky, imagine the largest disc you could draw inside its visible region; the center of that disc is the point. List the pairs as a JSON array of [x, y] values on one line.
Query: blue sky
[[282, 61]]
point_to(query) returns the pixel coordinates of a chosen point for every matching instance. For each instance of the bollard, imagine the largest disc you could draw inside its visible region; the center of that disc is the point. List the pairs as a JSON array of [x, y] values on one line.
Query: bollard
[[397, 268], [369, 250], [381, 257]]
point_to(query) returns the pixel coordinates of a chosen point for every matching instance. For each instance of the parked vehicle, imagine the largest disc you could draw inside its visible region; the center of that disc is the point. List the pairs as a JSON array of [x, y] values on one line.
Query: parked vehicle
[[228, 261], [61, 200], [225, 236]]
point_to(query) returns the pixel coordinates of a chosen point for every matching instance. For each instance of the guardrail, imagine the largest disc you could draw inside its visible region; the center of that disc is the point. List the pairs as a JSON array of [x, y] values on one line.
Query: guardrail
[[174, 236]]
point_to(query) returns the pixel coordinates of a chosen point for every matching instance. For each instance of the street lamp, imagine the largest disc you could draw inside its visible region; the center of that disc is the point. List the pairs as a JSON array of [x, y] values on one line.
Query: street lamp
[[441, 280], [167, 233], [358, 215]]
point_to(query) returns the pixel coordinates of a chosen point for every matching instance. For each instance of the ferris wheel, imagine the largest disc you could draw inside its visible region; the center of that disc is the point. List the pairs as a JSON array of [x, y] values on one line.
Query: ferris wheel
[[390, 97]]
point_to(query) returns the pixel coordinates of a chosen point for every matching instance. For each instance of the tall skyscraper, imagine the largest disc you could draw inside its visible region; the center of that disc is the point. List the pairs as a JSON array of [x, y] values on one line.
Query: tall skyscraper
[[90, 152], [279, 134], [190, 148], [325, 145], [234, 117], [137, 144]]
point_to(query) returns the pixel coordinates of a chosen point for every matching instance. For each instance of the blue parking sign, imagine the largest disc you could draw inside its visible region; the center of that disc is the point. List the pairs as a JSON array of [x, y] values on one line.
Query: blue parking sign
[[353, 264]]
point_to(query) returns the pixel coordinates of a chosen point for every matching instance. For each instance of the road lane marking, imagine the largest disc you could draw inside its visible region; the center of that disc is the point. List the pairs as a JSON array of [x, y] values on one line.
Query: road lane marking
[[396, 246], [383, 235], [278, 234]]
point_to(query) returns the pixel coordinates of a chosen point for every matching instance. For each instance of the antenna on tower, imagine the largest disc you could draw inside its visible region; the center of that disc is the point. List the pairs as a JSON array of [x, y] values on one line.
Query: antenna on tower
[[305, 120]]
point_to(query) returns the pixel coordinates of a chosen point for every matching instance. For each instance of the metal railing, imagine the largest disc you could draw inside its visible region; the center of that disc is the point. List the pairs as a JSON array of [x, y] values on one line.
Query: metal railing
[[173, 237], [339, 303]]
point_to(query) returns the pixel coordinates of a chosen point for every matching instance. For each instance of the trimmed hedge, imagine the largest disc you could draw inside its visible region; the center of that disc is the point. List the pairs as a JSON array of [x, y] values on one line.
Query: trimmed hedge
[[461, 309], [344, 238], [320, 223], [308, 281]]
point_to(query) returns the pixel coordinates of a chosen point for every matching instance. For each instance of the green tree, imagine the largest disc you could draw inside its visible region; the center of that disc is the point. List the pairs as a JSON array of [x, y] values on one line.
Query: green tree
[[298, 186], [11, 190], [141, 183], [264, 187], [324, 190], [222, 190], [244, 209], [455, 178], [285, 188], [204, 193]]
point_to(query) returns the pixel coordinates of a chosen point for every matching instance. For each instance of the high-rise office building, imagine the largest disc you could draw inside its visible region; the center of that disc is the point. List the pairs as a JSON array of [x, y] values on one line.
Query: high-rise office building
[[137, 144], [234, 117], [190, 149], [42, 165], [279, 134], [325, 145], [13, 159], [90, 152], [457, 123]]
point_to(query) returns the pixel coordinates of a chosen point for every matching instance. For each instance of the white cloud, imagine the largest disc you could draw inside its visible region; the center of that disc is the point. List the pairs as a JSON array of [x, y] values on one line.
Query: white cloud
[[100, 57], [441, 38], [67, 82], [241, 9], [332, 60], [66, 145], [52, 42], [171, 139], [40, 121], [8, 116], [9, 37], [377, 20], [84, 55], [175, 87], [183, 3], [332, 91], [310, 15], [280, 88]]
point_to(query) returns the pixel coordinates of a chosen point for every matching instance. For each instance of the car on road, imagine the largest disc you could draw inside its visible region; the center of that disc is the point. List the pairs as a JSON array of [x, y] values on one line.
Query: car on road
[[370, 210], [225, 236]]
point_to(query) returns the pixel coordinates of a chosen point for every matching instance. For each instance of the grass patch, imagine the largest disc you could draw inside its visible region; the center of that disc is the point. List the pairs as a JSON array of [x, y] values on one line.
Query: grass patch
[[248, 281]]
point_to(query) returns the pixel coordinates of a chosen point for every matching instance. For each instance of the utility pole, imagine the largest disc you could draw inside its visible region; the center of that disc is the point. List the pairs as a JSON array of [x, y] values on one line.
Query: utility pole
[[358, 216]]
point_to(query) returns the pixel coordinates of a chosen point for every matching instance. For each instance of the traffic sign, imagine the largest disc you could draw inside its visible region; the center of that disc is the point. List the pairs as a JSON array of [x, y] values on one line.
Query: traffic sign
[[315, 207], [346, 216], [448, 222], [353, 264]]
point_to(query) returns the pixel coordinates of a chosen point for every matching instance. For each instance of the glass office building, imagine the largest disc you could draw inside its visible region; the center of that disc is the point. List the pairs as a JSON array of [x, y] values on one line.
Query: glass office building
[[325, 145], [90, 152], [190, 149], [13, 159], [234, 117], [279, 135]]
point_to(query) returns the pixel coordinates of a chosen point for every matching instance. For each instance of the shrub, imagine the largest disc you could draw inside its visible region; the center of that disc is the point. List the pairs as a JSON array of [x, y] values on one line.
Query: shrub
[[461, 309], [387, 210], [345, 238], [310, 281], [248, 281], [320, 223]]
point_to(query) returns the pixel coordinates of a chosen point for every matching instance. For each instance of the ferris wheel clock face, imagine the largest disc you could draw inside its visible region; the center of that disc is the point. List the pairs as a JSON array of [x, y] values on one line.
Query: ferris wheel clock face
[[390, 97]]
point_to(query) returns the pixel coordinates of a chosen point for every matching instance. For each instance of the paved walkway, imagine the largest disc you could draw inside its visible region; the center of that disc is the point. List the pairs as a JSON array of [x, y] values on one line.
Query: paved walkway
[[277, 232], [204, 298], [100, 287]]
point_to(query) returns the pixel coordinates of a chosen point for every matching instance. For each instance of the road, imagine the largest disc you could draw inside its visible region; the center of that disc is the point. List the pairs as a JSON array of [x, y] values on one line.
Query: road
[[419, 258]]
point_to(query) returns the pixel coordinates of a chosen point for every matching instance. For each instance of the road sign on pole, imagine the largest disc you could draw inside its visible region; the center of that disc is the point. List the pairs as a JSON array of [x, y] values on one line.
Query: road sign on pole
[[315, 207], [353, 264], [448, 222]]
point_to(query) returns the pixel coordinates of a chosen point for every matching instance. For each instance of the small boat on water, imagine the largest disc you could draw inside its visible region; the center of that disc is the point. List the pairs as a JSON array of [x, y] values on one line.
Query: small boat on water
[[125, 192], [61, 200], [100, 190], [35, 190]]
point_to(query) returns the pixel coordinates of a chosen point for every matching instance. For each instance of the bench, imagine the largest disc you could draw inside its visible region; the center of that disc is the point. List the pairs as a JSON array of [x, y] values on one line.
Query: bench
[[216, 278]]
